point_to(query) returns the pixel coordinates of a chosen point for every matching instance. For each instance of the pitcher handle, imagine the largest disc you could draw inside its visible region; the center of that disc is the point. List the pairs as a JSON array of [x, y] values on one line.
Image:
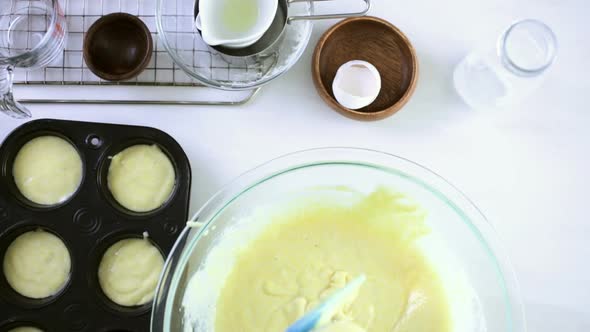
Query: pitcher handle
[[328, 16], [8, 105]]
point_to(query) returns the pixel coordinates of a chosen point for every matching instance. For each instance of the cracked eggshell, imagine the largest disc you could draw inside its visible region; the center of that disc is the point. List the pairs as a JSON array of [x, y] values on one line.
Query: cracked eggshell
[[357, 84]]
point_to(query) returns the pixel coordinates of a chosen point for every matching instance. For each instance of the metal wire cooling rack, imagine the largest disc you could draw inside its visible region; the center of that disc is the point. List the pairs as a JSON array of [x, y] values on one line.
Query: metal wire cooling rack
[[68, 79]]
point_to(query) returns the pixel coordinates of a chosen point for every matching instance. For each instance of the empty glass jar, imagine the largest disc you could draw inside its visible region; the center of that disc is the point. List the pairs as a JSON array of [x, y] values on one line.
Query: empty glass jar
[[496, 78]]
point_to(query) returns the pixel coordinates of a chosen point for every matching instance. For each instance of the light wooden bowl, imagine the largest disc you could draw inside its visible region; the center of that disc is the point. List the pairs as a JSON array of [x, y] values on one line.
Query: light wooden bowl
[[374, 40]]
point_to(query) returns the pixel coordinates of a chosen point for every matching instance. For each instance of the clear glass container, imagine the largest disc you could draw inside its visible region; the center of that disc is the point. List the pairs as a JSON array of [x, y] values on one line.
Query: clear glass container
[[503, 76], [175, 22], [467, 247], [32, 35]]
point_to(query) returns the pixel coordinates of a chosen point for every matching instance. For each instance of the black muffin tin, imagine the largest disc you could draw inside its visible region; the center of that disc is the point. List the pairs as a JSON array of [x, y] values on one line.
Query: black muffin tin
[[88, 223]]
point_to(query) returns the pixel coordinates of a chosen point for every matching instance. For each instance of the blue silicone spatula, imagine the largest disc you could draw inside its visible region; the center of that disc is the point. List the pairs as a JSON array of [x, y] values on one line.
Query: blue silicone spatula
[[324, 312]]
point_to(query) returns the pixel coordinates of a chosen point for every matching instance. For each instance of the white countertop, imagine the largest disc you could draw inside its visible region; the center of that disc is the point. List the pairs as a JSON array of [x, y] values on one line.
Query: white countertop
[[526, 168]]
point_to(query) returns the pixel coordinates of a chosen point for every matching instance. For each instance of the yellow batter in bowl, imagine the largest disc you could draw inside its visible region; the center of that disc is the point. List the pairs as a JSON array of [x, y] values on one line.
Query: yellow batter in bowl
[[47, 170], [37, 264], [141, 178], [308, 253], [341, 326]]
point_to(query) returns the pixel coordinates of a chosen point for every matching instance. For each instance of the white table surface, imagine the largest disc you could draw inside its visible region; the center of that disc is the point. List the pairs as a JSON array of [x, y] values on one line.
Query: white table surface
[[526, 167]]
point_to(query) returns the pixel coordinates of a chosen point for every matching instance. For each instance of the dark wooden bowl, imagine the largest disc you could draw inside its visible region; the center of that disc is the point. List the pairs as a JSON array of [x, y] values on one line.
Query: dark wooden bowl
[[118, 47], [374, 40]]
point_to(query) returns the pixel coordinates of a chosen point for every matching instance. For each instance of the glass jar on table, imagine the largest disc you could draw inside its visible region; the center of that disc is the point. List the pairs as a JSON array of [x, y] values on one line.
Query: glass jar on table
[[502, 76]]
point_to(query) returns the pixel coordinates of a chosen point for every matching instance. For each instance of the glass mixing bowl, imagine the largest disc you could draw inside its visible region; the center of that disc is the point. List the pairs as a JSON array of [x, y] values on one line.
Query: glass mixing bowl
[[482, 288], [175, 21]]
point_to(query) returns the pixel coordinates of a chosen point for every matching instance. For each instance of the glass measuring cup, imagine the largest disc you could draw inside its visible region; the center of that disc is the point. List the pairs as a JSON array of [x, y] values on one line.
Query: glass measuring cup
[[32, 35]]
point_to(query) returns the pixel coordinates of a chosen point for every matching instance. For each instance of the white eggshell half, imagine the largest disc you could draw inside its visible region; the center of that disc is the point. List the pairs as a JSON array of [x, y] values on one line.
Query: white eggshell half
[[357, 84]]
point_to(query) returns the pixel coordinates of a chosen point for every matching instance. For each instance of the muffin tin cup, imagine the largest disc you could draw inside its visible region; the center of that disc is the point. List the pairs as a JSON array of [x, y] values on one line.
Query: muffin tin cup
[[88, 223], [23, 322], [96, 258], [8, 160], [6, 239], [103, 172]]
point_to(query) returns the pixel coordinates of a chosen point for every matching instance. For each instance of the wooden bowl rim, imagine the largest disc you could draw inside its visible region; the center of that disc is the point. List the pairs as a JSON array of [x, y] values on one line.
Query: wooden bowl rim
[[354, 113]]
